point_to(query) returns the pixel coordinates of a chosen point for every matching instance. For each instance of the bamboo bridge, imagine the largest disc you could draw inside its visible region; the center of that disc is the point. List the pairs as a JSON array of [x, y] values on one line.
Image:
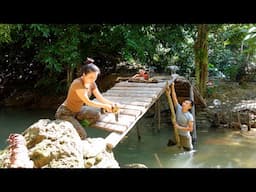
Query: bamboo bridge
[[135, 99]]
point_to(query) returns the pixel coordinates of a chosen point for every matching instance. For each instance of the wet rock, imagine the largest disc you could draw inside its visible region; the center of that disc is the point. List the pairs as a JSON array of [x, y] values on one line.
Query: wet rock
[[56, 144], [50, 142]]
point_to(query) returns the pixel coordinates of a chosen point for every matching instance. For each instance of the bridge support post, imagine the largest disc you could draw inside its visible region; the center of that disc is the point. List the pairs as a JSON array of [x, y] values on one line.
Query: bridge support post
[[157, 116], [191, 95], [138, 131]]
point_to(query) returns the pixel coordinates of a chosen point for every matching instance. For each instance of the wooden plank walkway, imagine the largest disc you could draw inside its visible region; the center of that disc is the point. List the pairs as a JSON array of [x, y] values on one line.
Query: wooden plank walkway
[[135, 99]]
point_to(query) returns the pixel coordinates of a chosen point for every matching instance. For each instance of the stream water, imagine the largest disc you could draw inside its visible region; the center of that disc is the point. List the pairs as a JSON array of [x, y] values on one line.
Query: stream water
[[215, 148]]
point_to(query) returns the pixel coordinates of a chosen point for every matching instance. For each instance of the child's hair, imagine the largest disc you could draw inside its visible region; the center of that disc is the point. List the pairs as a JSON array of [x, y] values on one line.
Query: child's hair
[[89, 66], [191, 102]]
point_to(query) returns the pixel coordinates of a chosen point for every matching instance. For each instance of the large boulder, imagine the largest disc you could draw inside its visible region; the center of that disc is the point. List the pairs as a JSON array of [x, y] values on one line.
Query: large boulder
[[56, 144]]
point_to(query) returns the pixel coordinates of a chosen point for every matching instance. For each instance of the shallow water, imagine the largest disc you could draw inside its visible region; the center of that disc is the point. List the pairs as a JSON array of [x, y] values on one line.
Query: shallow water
[[214, 148]]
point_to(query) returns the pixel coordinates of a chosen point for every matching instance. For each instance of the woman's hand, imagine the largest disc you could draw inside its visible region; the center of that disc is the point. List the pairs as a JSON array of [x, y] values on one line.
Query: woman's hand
[[115, 107], [108, 108]]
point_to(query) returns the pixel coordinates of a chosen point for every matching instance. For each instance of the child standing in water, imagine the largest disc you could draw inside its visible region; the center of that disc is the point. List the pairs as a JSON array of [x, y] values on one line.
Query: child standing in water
[[184, 120]]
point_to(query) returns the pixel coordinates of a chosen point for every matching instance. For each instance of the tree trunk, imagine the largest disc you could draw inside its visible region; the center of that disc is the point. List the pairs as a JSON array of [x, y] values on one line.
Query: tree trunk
[[201, 58]]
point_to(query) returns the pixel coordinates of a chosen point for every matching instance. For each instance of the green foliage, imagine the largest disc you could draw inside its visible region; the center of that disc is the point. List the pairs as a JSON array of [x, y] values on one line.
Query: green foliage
[[56, 45], [211, 92], [228, 50], [137, 43], [60, 48], [250, 40], [103, 43], [251, 33], [50, 85], [5, 30], [148, 44], [231, 71], [84, 123], [158, 45]]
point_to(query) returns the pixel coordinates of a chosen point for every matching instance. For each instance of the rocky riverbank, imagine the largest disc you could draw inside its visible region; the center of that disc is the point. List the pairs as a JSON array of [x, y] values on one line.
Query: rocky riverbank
[[56, 144]]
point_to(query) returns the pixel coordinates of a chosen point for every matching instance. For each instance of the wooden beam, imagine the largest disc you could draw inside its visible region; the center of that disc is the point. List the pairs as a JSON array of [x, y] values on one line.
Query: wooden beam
[[130, 84], [137, 88], [128, 106], [138, 131], [135, 99], [141, 91], [199, 97], [110, 127], [113, 138], [127, 98], [131, 95], [128, 102], [125, 120], [131, 112], [158, 115], [249, 121], [137, 103]]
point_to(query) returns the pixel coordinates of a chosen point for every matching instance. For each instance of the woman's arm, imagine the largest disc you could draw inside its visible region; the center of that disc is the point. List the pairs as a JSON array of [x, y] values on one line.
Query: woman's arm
[[84, 97], [100, 97]]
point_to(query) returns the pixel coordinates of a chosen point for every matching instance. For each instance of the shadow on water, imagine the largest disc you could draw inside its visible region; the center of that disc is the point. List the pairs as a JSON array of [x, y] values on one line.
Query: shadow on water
[[214, 148]]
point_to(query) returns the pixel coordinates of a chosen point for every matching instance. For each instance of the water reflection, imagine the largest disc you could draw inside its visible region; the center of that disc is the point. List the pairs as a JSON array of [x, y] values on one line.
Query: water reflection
[[14, 120], [214, 149]]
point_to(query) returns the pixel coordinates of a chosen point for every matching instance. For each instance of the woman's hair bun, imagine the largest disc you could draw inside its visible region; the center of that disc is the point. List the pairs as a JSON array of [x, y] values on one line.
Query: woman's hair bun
[[88, 61]]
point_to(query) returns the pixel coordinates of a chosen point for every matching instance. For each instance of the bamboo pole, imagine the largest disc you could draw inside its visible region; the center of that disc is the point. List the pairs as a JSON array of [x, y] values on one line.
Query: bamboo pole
[[158, 115], [155, 116], [238, 118], [173, 115], [138, 131], [158, 160], [249, 121], [194, 135]]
